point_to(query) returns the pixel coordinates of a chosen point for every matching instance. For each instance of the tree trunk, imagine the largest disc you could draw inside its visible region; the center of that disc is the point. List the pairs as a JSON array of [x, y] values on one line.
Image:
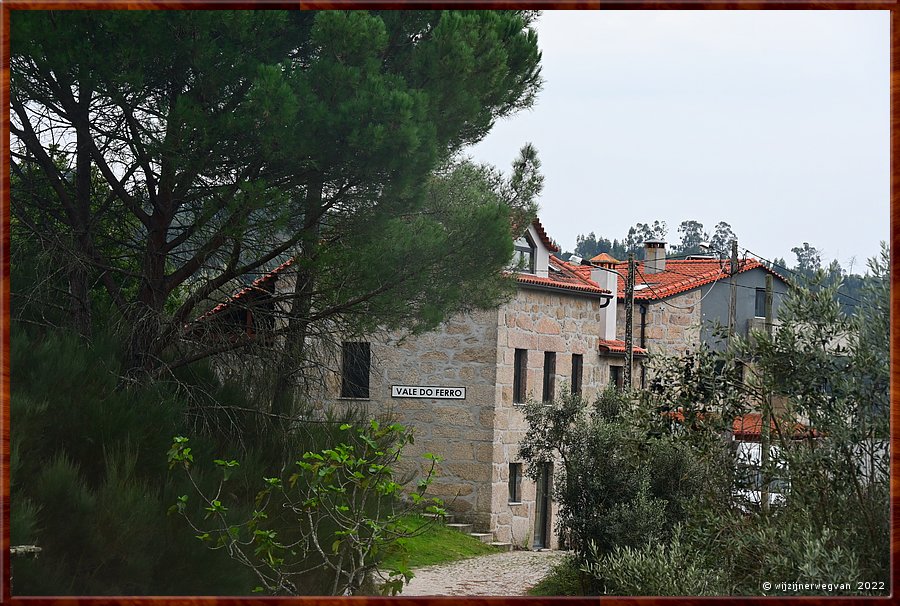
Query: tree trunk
[[78, 275], [145, 345]]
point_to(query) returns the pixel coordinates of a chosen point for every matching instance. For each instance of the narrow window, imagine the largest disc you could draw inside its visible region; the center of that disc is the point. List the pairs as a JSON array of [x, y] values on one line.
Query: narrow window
[[760, 302], [520, 371], [549, 376], [355, 370], [515, 482], [616, 377], [577, 365]]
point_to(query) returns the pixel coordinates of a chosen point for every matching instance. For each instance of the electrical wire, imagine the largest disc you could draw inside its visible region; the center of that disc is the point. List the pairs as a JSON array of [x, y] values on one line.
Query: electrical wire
[[795, 273], [664, 302]]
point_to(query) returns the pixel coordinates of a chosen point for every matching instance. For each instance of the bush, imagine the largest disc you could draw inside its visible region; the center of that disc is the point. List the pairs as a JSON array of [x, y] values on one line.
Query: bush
[[655, 569], [618, 485], [565, 578], [89, 482]]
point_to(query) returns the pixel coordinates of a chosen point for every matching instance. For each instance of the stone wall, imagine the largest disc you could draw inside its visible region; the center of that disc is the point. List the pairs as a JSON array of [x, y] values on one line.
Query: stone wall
[[460, 353], [672, 325], [538, 321]]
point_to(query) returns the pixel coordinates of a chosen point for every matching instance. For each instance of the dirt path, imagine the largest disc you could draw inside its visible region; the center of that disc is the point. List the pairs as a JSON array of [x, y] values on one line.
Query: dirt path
[[508, 573]]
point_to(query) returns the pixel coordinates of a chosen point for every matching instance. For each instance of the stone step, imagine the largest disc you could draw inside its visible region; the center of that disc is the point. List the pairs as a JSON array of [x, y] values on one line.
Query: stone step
[[502, 546], [484, 537], [433, 516], [463, 528]]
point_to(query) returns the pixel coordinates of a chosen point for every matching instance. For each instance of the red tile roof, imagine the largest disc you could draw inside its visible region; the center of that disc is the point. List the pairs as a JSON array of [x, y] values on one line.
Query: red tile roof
[[749, 428], [566, 276], [604, 258], [617, 346], [257, 285], [681, 275], [544, 237]]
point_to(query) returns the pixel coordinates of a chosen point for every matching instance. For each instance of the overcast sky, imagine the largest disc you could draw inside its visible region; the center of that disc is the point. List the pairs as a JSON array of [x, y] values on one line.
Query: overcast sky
[[776, 122]]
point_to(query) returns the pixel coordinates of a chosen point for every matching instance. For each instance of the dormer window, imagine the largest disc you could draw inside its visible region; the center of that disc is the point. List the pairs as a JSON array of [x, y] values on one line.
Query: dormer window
[[524, 257]]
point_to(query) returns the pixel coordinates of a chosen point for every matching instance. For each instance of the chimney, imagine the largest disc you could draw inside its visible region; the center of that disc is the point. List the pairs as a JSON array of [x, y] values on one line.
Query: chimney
[[654, 256], [601, 274]]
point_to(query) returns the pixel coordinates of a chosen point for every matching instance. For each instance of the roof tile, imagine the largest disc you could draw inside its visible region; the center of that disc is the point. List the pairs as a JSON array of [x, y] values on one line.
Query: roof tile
[[681, 275]]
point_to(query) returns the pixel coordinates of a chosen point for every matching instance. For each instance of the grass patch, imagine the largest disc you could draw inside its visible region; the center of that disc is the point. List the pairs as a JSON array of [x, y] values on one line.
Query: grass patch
[[435, 545], [564, 579]]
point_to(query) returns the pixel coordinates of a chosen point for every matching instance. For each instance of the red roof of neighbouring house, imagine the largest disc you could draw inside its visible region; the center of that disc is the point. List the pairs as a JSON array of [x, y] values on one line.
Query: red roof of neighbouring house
[[617, 346], [749, 428], [564, 275], [258, 285], [681, 275], [604, 258]]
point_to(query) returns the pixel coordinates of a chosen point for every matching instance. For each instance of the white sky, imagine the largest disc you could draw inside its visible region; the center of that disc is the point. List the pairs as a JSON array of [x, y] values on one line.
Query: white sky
[[776, 122]]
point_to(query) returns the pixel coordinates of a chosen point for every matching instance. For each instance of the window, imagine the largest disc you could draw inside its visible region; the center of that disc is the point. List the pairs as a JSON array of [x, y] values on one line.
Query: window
[[525, 254], [760, 302], [617, 377], [577, 366], [355, 370], [515, 482], [549, 376], [520, 371]]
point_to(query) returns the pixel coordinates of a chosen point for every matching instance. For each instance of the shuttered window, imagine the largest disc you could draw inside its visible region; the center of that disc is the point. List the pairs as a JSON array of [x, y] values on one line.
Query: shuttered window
[[357, 359]]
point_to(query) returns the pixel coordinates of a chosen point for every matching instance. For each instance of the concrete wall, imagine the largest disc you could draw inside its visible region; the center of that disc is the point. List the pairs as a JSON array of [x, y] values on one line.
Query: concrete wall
[[717, 297]]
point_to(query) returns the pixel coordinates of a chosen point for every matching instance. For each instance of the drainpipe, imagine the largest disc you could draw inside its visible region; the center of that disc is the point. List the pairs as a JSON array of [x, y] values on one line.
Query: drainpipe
[[643, 343]]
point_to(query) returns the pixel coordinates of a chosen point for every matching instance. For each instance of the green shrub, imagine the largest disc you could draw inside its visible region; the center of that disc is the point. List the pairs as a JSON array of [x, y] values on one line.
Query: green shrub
[[565, 579], [655, 569]]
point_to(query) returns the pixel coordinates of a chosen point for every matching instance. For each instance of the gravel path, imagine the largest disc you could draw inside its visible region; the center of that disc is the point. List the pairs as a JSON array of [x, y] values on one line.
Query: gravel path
[[507, 573]]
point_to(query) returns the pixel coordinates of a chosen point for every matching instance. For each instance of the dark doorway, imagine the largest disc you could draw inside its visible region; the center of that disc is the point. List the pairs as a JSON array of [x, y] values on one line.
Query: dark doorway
[[542, 507]]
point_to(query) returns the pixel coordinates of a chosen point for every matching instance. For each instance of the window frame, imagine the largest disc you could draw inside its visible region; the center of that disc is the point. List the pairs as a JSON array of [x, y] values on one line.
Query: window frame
[[528, 250], [577, 374], [617, 377], [515, 483], [520, 376], [549, 388], [756, 303]]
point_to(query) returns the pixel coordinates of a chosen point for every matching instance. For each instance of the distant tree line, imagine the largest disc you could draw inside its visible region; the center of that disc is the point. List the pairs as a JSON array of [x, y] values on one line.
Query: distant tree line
[[692, 234]]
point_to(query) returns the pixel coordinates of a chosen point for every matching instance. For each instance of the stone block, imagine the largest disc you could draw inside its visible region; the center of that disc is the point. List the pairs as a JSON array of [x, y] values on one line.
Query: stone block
[[524, 322], [484, 452], [483, 355], [455, 451], [454, 416], [475, 472], [450, 489], [548, 326]]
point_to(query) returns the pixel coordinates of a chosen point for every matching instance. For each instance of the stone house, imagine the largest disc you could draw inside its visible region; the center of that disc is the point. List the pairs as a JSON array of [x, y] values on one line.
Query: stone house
[[680, 302], [463, 386]]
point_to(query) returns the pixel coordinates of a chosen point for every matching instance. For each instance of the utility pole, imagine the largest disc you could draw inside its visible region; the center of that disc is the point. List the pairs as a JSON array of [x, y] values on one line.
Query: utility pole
[[629, 322], [732, 305], [765, 438]]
